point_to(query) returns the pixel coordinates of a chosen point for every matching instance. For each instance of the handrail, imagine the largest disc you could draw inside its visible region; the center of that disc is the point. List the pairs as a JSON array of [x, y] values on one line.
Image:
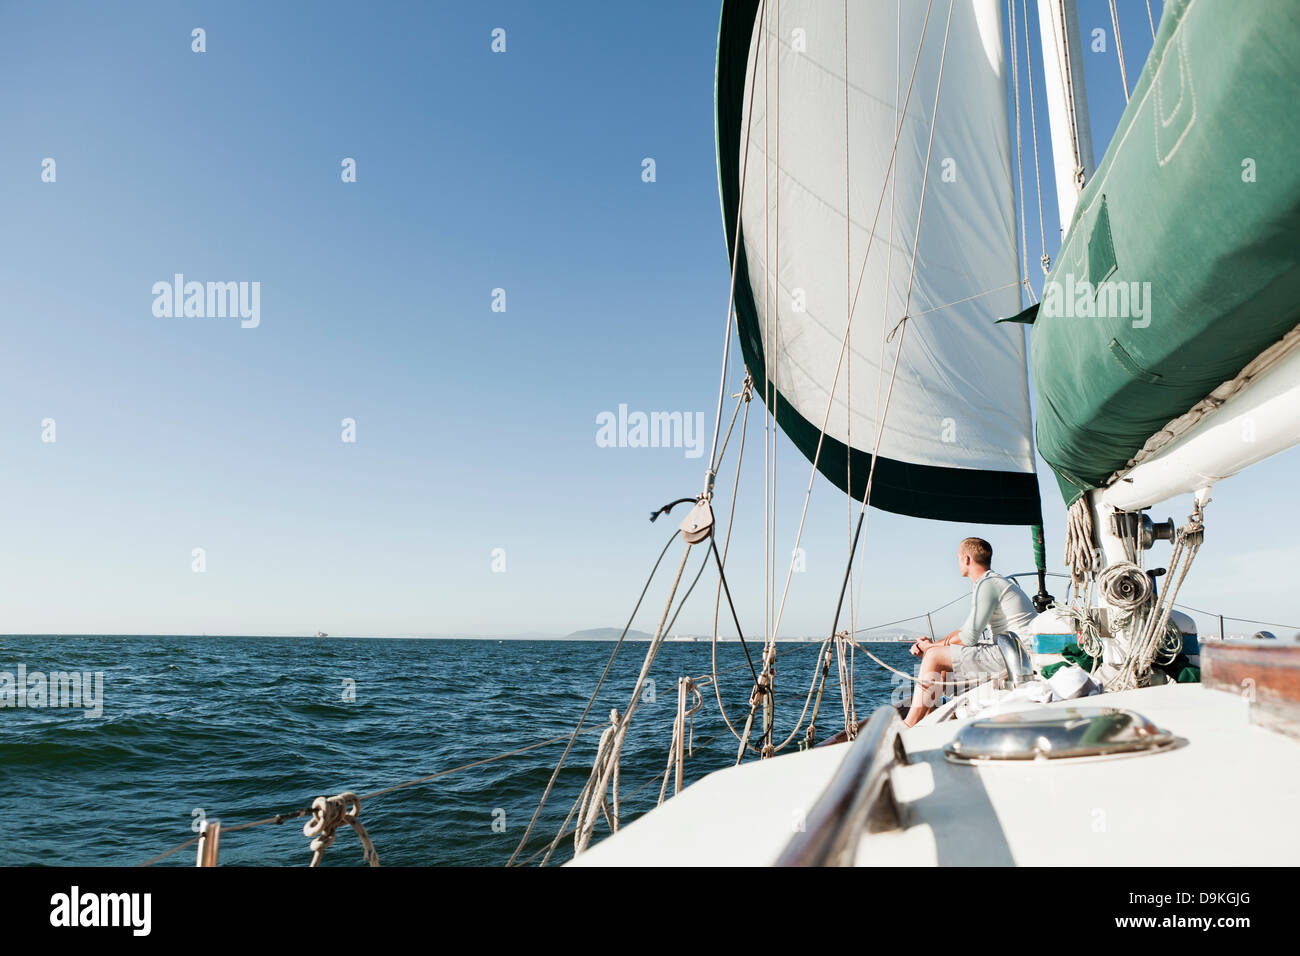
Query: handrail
[[860, 798]]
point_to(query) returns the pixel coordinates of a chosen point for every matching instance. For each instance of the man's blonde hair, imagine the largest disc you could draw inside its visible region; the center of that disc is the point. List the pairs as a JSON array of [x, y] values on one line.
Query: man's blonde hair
[[979, 550]]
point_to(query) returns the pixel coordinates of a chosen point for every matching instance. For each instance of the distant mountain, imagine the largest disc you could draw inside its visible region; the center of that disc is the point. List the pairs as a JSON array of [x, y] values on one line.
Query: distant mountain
[[606, 634]]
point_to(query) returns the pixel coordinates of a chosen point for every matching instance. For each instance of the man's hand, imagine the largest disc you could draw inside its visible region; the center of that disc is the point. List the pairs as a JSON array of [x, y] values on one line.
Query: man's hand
[[921, 646]]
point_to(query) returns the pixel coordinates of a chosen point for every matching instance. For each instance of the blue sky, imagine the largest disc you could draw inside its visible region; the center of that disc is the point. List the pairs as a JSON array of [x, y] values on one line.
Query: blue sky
[[475, 428]]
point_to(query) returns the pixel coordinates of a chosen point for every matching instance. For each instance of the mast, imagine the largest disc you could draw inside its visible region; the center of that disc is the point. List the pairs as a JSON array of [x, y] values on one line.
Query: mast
[[1072, 162], [1067, 103]]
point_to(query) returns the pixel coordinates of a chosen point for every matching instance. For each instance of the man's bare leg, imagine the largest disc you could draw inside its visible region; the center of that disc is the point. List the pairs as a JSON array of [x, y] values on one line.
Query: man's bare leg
[[936, 664]]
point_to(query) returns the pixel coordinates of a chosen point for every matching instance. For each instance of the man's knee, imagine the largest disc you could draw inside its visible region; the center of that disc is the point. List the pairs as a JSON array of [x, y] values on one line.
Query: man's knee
[[933, 659]]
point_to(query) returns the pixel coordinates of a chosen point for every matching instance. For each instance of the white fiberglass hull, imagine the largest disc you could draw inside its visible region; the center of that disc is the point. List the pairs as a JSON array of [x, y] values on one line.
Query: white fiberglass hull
[[1208, 801]]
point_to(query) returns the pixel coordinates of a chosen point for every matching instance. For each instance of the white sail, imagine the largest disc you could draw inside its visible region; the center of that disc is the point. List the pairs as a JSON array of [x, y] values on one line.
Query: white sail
[[960, 399]]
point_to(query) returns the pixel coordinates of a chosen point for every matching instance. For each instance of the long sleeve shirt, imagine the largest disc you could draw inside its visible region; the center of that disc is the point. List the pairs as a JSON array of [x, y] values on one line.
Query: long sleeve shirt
[[997, 605]]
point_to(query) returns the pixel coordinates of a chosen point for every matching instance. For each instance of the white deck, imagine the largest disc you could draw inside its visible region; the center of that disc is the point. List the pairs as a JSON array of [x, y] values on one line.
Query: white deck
[[1212, 801], [740, 816]]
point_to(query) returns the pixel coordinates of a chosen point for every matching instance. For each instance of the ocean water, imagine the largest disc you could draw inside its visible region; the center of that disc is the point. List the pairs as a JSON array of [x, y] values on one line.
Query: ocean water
[[241, 728]]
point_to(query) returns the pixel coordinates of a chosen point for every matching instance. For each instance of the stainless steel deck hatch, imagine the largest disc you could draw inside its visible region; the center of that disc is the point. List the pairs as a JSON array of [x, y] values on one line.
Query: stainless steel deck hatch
[[1057, 734]]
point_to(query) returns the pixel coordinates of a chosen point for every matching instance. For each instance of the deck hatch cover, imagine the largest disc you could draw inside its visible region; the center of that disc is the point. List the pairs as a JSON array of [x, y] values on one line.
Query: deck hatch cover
[[1057, 734]]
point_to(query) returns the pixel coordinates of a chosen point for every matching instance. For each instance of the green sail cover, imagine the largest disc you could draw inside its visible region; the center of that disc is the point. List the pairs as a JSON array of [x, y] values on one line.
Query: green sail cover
[[1182, 262]]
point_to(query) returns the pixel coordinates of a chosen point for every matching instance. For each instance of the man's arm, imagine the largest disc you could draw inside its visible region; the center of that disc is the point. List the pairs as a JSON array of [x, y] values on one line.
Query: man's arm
[[983, 603], [981, 609]]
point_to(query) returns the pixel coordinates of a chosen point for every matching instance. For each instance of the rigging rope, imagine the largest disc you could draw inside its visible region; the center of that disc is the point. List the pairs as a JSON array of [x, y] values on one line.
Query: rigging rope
[[898, 353], [911, 677], [803, 713], [1126, 588], [848, 699], [306, 811], [769, 356], [889, 169], [550, 784], [1119, 48], [634, 793], [745, 396], [1080, 555], [1157, 639], [683, 732], [1064, 69], [735, 258], [977, 295], [875, 451], [1020, 182], [1244, 620], [329, 813], [598, 785], [824, 656], [1087, 630], [891, 176], [767, 683], [603, 769], [848, 306], [722, 578], [1044, 259]]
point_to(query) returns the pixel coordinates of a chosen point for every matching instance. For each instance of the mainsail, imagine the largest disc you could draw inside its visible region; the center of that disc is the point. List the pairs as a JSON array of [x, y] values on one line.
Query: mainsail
[[808, 110]]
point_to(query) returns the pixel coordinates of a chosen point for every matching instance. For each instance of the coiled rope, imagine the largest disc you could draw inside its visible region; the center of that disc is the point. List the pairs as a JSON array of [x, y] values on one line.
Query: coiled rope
[[1086, 628], [1080, 555], [1127, 589]]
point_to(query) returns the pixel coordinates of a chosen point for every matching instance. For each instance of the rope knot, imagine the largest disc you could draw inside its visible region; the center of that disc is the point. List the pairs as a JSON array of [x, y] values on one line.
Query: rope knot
[[330, 813], [746, 388]]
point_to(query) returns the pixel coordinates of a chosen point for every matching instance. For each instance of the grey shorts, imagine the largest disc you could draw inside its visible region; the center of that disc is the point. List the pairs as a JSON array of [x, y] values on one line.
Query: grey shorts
[[977, 664]]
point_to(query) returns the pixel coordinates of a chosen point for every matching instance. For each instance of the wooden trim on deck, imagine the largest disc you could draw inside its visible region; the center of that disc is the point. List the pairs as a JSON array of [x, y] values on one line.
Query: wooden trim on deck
[[1267, 673]]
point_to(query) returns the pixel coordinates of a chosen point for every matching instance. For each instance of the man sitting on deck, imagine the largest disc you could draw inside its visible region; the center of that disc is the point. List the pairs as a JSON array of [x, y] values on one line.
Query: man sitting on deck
[[996, 603]]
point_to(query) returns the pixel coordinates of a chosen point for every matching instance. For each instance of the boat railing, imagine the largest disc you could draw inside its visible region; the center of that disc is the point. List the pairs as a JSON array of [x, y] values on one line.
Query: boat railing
[[860, 797], [1208, 622]]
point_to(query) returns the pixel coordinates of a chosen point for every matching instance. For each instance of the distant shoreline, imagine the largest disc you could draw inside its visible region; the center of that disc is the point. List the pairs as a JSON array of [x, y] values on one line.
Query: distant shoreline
[[630, 639]]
